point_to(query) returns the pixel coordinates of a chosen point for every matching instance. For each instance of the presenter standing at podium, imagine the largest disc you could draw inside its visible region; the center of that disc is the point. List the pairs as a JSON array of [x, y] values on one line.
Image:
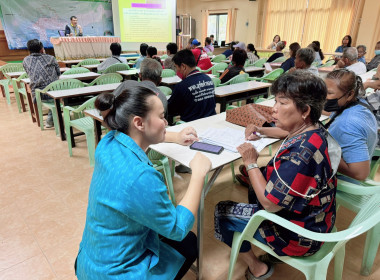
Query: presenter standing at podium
[[73, 29]]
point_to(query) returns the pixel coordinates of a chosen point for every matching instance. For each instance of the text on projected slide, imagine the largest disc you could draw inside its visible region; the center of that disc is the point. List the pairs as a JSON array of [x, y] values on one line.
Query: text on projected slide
[[146, 21]]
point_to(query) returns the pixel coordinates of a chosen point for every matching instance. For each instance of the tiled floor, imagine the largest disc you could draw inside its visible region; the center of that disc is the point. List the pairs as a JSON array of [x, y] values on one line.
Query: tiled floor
[[43, 197]]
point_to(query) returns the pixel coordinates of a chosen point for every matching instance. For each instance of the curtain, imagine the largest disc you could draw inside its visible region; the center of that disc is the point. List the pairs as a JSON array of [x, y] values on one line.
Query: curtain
[[284, 18], [304, 21], [328, 21], [231, 25], [205, 14]]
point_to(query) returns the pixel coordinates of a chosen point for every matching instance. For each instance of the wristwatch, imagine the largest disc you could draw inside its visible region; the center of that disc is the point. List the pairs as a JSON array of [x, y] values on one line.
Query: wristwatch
[[251, 166]]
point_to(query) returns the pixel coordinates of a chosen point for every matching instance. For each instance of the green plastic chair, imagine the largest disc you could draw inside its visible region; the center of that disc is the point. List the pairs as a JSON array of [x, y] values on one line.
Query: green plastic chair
[[163, 57], [315, 266], [279, 59], [375, 164], [56, 85], [77, 70], [270, 77], [87, 61], [328, 63], [84, 124], [260, 62], [218, 58], [20, 92], [115, 67], [110, 78], [161, 162], [236, 80], [315, 63], [215, 68], [167, 73], [7, 68], [355, 197], [210, 54], [165, 90], [216, 81]]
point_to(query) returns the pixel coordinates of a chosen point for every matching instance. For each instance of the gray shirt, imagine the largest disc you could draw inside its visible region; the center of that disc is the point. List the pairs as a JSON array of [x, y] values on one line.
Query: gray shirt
[[110, 61]]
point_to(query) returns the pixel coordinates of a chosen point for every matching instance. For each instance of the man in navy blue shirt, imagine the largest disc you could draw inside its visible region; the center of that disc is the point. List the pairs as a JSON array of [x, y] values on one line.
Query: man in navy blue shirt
[[194, 97]]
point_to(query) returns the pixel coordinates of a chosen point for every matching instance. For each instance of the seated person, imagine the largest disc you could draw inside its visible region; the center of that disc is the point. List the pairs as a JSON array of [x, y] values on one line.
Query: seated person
[[252, 54], [151, 52], [213, 42], [115, 58], [279, 47], [189, 43], [346, 43], [208, 48], [73, 29], [42, 70], [350, 61], [296, 188], [362, 50], [229, 52], [352, 124], [238, 59], [194, 97], [201, 57], [150, 76], [240, 46], [303, 61], [133, 230], [171, 50], [375, 61], [290, 62], [143, 48], [316, 46], [276, 40]]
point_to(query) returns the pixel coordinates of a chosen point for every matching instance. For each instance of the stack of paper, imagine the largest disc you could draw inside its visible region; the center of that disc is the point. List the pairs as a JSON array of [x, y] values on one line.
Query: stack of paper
[[230, 139]]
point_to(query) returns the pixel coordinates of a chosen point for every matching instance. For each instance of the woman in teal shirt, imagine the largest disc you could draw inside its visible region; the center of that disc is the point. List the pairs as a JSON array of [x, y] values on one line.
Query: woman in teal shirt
[[132, 230]]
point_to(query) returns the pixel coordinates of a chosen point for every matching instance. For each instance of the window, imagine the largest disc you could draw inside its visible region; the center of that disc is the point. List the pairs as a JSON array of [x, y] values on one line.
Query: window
[[217, 25]]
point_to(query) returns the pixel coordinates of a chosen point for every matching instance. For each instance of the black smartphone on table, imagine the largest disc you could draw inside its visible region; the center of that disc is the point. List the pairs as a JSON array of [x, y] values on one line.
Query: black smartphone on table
[[205, 147]]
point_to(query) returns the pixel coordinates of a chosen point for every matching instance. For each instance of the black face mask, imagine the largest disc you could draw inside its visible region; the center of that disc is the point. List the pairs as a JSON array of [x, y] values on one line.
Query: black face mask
[[331, 105]]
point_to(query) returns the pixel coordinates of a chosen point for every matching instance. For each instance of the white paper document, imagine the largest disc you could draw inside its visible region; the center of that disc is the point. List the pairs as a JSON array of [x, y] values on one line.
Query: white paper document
[[230, 139]]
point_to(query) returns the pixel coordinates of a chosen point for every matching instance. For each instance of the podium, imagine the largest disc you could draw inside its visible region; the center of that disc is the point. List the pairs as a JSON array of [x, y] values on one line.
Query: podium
[[73, 48]]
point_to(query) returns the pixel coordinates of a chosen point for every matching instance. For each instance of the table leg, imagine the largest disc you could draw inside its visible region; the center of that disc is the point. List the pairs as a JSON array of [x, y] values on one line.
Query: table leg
[[223, 105], [60, 119], [205, 190], [31, 105]]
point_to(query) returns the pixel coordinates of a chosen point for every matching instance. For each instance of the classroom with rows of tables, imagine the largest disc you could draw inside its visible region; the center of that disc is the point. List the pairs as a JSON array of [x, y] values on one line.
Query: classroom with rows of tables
[[178, 139]]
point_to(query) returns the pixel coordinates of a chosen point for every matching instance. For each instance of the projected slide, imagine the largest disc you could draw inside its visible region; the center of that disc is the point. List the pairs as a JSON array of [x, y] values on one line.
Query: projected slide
[[146, 20]]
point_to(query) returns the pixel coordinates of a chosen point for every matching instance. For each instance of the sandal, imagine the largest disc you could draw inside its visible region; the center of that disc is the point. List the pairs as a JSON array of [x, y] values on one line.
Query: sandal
[[250, 276], [244, 181]]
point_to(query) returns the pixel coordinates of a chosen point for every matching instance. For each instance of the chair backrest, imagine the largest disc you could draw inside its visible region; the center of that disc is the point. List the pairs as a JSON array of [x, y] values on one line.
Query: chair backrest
[[216, 81], [271, 76], [241, 78], [87, 61], [315, 63], [218, 58], [63, 84], [279, 59], [260, 62], [218, 67], [77, 70], [12, 67], [328, 63], [116, 67], [167, 73], [163, 57], [110, 78], [165, 90]]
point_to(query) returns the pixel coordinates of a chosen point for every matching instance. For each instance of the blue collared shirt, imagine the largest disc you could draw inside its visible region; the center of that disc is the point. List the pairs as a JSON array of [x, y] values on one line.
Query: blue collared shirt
[[128, 208]]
